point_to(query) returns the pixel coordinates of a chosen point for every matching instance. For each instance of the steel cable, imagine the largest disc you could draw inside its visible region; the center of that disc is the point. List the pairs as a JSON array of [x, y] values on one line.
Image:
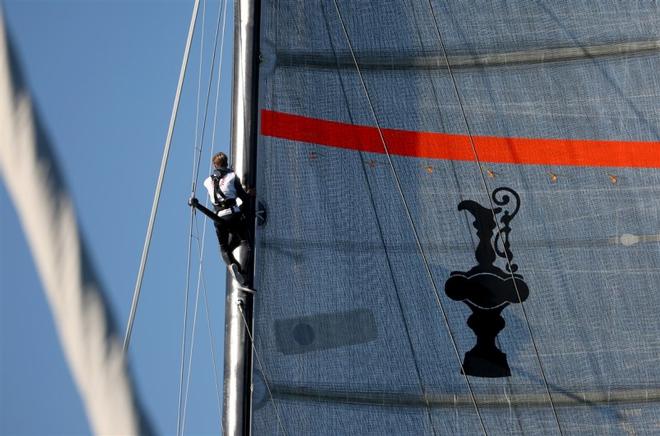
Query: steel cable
[[184, 334], [198, 149], [159, 183]]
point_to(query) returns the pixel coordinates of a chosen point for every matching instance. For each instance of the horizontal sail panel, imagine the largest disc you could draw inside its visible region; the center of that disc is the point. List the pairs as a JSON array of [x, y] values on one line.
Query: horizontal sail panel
[[434, 145], [378, 276]]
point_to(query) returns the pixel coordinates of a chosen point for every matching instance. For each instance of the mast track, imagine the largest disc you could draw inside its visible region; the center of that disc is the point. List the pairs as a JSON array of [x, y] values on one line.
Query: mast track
[[436, 60]]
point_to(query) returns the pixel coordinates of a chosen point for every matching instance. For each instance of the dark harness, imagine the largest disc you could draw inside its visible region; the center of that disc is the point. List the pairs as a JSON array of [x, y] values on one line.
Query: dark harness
[[221, 200]]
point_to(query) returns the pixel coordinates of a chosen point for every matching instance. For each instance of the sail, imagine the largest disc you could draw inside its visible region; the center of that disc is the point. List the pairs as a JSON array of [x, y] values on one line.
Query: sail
[[463, 218]]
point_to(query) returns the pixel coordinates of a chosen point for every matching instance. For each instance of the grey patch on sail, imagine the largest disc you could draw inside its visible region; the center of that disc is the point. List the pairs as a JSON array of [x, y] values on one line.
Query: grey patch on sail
[[325, 331]]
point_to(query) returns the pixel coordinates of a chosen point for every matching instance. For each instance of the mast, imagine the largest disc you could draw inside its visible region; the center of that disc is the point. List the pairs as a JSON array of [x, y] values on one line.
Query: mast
[[239, 303]]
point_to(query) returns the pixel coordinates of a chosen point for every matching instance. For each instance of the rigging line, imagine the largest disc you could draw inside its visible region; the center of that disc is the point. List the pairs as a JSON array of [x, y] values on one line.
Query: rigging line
[[410, 219], [196, 165], [398, 296], [199, 79], [456, 180], [181, 413], [206, 104], [492, 207], [201, 255], [208, 322], [185, 324], [183, 398], [382, 237], [217, 90], [203, 244], [180, 417], [261, 367], [190, 357], [204, 287], [202, 281], [222, 11], [161, 176], [213, 354], [193, 330]]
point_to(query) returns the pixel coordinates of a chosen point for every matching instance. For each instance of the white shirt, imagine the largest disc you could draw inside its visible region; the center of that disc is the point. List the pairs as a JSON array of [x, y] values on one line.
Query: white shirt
[[226, 185]]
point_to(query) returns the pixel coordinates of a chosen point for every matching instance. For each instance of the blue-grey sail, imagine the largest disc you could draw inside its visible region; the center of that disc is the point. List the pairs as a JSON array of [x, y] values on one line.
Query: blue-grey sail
[[378, 120]]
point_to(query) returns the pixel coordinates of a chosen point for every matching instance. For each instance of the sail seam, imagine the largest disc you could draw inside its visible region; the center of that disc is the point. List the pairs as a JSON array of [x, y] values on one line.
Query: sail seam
[[375, 60], [386, 399]]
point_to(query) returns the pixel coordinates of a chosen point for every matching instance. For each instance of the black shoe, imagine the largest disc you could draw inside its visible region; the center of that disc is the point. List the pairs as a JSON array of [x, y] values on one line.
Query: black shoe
[[236, 272]]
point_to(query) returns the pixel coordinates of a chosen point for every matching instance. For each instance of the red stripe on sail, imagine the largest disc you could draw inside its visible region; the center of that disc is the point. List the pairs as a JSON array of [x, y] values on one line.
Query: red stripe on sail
[[433, 145]]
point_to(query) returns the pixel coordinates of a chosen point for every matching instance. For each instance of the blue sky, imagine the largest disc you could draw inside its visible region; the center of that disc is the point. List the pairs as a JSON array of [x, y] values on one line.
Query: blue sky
[[103, 75]]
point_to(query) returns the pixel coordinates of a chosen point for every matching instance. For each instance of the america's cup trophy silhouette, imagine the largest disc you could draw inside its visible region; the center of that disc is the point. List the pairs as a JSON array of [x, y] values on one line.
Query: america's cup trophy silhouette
[[486, 288]]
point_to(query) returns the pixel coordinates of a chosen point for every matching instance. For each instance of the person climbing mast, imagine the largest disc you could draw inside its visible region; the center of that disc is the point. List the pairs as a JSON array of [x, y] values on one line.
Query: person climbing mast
[[224, 187]]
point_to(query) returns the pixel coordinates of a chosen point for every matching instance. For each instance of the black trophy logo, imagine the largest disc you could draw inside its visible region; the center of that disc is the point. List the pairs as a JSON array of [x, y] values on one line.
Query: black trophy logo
[[486, 288]]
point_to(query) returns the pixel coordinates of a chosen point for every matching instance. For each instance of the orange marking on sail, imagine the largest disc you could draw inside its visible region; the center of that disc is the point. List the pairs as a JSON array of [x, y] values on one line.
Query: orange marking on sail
[[449, 146]]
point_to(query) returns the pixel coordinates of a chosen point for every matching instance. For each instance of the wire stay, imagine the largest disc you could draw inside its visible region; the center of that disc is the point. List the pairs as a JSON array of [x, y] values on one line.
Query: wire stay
[[161, 176]]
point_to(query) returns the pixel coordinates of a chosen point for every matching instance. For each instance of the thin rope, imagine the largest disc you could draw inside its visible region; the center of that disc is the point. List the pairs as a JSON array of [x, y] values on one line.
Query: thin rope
[[183, 399], [185, 325], [192, 335], [217, 90], [203, 245], [161, 176], [196, 165], [206, 104], [213, 355], [492, 209], [410, 219], [199, 80], [261, 367], [180, 416], [201, 280], [467, 220], [202, 250], [200, 276], [190, 358]]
